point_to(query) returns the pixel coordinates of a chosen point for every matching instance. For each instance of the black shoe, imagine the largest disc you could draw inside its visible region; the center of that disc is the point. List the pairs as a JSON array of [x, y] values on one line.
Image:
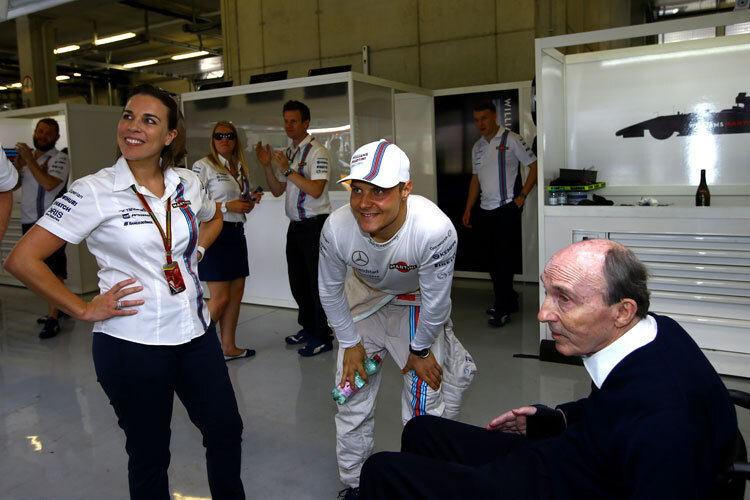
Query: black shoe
[[298, 338], [349, 493], [60, 315], [246, 354], [314, 347], [51, 328], [499, 321], [512, 309]]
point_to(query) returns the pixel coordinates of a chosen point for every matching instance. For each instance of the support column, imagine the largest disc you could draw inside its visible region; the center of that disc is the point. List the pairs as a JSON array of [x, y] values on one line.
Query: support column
[[37, 61], [242, 28]]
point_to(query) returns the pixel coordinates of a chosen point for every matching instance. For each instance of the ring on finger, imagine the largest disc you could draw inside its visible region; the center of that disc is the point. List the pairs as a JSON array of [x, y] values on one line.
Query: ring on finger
[[119, 305]]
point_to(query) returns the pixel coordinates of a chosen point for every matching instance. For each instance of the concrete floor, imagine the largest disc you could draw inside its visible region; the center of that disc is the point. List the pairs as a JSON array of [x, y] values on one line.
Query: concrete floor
[[59, 437]]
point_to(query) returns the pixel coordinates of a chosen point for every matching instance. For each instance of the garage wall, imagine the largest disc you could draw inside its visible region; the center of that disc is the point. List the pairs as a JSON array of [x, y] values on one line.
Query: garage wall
[[429, 43]]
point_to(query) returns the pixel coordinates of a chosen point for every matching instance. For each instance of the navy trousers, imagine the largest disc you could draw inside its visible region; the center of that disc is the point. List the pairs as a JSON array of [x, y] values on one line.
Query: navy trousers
[[500, 233], [141, 381], [302, 248], [445, 459]]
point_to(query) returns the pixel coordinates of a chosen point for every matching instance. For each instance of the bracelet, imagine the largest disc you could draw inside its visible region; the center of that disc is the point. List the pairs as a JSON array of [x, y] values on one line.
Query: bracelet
[[522, 195], [288, 172], [201, 250]]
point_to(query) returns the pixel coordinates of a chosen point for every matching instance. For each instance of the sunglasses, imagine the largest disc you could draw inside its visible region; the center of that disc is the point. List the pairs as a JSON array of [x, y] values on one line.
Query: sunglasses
[[225, 135]]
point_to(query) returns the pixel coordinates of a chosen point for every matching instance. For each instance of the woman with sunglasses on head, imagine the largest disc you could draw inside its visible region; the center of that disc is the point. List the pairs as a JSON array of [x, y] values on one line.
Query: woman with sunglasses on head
[[153, 336], [225, 266]]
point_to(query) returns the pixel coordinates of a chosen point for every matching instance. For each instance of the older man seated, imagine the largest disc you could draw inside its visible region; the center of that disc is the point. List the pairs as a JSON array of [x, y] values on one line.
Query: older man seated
[[657, 423]]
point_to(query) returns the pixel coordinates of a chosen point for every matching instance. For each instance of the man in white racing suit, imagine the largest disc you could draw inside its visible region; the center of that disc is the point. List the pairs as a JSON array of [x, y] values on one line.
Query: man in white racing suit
[[396, 299]]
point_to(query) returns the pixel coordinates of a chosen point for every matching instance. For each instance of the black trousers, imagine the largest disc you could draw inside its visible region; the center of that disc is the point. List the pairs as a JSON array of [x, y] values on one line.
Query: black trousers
[[141, 381], [445, 459], [302, 247], [500, 233]]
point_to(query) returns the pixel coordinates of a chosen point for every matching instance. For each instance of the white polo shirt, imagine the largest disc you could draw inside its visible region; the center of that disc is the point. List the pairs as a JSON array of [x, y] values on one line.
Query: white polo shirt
[[8, 173], [35, 200], [102, 209], [420, 256], [311, 160], [496, 165], [221, 185]]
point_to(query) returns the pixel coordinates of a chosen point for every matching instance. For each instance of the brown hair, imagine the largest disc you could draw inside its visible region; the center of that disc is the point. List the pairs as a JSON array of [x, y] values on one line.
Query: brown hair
[[238, 155], [51, 122], [171, 155]]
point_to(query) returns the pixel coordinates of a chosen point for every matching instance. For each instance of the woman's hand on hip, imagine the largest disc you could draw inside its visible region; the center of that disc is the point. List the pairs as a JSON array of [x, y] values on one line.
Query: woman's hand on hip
[[111, 303]]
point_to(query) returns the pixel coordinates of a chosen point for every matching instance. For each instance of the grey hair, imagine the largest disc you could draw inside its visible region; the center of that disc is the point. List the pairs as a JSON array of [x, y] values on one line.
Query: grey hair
[[626, 278]]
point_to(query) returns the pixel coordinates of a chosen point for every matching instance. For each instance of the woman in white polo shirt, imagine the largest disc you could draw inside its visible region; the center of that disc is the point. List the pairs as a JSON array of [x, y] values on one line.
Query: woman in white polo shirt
[[225, 265], [151, 337]]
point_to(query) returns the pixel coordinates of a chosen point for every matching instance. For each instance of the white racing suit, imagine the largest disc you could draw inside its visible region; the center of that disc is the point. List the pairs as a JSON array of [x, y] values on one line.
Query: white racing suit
[[383, 329]]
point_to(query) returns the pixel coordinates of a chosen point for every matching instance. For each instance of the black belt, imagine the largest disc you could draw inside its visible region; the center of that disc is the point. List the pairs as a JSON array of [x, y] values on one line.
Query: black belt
[[316, 218], [234, 224]]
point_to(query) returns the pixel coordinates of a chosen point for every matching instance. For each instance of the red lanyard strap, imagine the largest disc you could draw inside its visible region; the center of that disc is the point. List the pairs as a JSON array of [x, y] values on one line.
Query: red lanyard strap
[[166, 237]]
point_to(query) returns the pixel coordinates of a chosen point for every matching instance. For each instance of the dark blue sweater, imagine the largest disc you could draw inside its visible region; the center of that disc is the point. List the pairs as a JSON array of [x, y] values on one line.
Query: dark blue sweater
[[657, 429]]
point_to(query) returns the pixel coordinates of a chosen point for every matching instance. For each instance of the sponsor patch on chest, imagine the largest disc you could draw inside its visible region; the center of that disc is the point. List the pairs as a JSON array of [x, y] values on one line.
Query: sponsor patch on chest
[[402, 267]]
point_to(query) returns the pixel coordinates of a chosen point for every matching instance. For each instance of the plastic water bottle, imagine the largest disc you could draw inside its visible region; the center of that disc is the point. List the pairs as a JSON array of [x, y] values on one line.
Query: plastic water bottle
[[342, 394]]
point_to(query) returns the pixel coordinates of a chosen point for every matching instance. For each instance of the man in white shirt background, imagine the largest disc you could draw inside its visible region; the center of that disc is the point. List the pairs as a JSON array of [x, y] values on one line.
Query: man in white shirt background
[[43, 176], [301, 171], [496, 181]]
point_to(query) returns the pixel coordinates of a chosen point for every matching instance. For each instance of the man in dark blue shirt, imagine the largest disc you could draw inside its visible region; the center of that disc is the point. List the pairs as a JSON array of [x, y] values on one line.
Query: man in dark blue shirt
[[657, 424]]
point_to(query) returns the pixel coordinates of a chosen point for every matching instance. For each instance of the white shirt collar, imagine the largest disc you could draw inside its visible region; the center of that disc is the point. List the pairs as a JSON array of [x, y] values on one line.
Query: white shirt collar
[[124, 179], [600, 364], [498, 135], [302, 143]]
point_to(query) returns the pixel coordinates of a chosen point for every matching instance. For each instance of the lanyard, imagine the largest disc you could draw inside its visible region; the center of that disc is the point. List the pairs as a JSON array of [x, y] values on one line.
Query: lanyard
[[244, 185], [291, 159], [166, 238]]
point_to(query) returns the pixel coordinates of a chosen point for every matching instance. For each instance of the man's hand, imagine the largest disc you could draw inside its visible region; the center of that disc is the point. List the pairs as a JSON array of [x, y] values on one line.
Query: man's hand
[[280, 161], [353, 357], [427, 369], [519, 201], [263, 154], [465, 220], [513, 421], [25, 155]]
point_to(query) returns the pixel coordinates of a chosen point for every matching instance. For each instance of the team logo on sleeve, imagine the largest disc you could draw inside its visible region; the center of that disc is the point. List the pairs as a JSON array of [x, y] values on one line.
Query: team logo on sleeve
[[402, 267], [438, 255]]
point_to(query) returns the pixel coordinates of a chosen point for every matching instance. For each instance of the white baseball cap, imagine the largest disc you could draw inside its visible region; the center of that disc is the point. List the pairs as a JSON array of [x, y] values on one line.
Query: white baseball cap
[[381, 163]]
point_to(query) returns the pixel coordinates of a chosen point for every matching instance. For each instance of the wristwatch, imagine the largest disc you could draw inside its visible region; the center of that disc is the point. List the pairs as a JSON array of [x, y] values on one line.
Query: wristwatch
[[522, 195], [223, 207], [288, 172], [422, 353]]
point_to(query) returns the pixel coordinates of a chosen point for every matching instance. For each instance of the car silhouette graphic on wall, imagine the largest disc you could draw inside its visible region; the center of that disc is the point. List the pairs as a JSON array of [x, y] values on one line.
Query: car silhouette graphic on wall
[[735, 120]]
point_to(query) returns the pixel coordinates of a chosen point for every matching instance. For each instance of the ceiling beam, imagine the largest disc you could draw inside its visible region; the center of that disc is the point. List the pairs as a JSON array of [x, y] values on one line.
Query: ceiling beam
[[164, 12]]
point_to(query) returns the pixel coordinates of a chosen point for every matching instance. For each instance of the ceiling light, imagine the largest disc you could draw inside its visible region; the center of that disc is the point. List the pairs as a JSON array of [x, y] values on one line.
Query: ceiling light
[[16, 85], [67, 48], [215, 74], [76, 74], [61, 78], [138, 64], [189, 55], [113, 38], [3, 87]]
